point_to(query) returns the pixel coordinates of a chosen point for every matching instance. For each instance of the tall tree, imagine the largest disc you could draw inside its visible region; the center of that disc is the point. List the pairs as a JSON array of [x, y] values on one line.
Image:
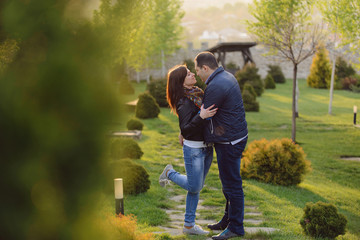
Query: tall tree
[[344, 19], [166, 29], [286, 27], [124, 24], [139, 30]]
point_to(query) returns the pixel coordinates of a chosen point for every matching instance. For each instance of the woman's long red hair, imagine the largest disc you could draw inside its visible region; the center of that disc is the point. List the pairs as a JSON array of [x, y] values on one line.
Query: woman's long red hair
[[175, 85]]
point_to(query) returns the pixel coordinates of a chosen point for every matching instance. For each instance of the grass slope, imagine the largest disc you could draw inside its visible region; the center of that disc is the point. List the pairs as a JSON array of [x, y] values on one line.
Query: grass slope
[[324, 139]]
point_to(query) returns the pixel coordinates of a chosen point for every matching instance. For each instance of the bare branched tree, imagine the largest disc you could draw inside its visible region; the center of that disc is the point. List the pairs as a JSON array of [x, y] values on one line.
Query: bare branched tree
[[286, 27]]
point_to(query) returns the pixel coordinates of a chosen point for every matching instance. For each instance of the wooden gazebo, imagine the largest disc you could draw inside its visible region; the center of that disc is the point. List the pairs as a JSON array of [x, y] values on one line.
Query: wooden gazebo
[[221, 49]]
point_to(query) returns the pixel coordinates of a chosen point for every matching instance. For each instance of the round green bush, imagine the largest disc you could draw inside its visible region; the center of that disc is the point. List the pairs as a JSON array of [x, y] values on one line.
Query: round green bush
[[134, 124], [135, 177], [278, 161], [249, 74], [343, 69], [323, 220], [157, 89], [250, 88], [125, 148], [347, 82], [147, 107], [249, 100], [269, 82], [277, 74]]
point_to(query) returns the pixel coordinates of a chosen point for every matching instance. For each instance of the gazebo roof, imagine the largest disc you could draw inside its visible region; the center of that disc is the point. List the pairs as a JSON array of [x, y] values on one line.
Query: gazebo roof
[[231, 46]]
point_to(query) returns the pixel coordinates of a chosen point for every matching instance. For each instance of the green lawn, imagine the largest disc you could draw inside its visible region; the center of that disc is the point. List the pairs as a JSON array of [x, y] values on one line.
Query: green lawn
[[324, 139]]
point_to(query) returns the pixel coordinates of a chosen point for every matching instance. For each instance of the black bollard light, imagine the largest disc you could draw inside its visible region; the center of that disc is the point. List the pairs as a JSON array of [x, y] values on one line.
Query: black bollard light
[[119, 196], [355, 111]]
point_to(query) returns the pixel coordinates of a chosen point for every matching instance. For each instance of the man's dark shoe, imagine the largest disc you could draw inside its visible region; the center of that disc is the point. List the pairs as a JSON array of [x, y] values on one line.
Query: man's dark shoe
[[226, 234], [218, 226]]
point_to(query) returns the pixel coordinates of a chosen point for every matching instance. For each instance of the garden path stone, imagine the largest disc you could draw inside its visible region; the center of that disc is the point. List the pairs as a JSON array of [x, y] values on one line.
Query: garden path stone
[[175, 225], [178, 198], [253, 221], [252, 230]]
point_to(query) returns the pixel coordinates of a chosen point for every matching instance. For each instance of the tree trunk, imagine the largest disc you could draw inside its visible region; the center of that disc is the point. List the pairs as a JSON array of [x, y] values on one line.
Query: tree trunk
[[293, 126], [332, 85], [332, 77], [147, 72], [137, 77], [297, 99], [147, 75], [163, 64]]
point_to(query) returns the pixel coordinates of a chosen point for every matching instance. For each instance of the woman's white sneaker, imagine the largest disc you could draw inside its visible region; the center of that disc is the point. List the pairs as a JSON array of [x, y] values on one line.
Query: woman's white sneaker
[[163, 179], [195, 230]]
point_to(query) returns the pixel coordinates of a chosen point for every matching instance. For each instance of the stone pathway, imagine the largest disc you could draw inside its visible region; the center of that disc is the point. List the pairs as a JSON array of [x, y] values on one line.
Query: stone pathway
[[176, 215]]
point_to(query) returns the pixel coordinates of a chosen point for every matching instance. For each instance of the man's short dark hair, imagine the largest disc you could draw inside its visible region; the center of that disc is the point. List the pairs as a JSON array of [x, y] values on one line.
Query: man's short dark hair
[[208, 59]]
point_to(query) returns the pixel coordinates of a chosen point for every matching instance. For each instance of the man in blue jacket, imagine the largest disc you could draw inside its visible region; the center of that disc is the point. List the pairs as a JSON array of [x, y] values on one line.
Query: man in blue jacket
[[228, 131]]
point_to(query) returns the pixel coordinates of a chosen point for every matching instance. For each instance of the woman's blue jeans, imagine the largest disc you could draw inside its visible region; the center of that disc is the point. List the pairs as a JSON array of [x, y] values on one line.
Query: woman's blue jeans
[[197, 165]]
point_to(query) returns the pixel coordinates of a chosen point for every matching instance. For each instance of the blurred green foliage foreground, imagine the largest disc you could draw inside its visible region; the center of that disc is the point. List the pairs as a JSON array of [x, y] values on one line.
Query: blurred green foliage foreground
[[54, 101]]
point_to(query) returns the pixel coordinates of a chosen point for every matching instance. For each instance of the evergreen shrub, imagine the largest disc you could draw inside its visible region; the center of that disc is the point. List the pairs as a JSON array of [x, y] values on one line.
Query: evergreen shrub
[[320, 70], [232, 67], [269, 82], [125, 148], [348, 82], [277, 74], [134, 124], [157, 89], [118, 74], [250, 103], [125, 86], [323, 220], [278, 161], [249, 74], [250, 88], [343, 69], [122, 227], [135, 177], [147, 107]]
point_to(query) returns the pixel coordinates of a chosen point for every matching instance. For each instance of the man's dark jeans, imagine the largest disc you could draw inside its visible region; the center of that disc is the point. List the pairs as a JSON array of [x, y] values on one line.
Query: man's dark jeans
[[229, 159]]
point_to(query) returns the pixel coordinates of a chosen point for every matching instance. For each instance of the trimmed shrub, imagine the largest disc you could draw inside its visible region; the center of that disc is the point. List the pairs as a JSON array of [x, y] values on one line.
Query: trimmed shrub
[[122, 227], [269, 82], [125, 87], [320, 70], [278, 161], [147, 107], [323, 220], [355, 89], [125, 148], [277, 74], [249, 74], [119, 75], [249, 100], [343, 69], [250, 88], [134, 124], [347, 82], [232, 67], [135, 177], [157, 89]]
